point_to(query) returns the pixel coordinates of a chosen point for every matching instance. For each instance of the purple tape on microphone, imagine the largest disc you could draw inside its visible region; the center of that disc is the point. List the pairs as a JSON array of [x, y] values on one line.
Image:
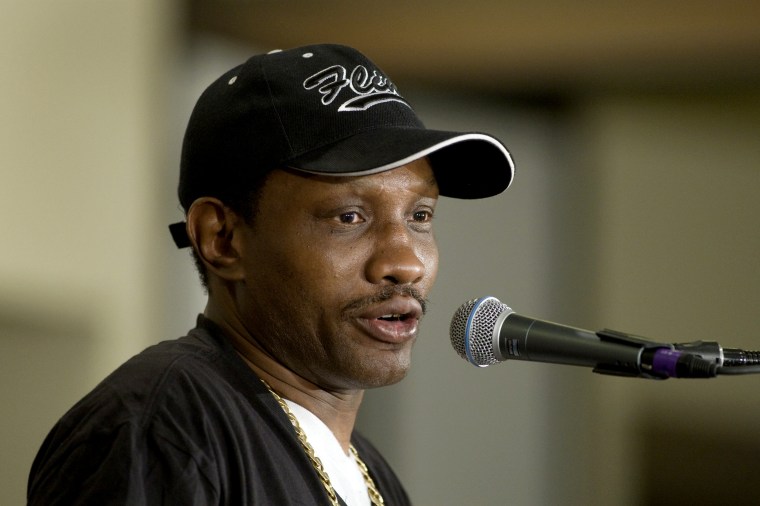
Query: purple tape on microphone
[[664, 362]]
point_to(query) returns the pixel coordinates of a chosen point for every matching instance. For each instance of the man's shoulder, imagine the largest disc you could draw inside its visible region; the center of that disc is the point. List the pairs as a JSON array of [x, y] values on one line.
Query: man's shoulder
[[188, 374], [192, 357], [182, 408], [172, 391]]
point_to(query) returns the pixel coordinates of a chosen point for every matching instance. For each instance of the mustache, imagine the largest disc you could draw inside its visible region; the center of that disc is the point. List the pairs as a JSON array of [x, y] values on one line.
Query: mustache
[[384, 294]]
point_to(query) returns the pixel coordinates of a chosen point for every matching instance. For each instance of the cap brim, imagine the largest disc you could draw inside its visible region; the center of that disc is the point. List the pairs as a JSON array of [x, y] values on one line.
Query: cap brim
[[466, 165]]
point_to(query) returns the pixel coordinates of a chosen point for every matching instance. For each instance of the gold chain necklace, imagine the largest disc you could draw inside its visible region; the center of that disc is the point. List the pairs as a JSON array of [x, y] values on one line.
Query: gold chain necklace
[[374, 494]]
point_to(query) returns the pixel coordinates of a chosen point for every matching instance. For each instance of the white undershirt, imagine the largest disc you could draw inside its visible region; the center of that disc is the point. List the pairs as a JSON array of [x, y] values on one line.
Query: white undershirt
[[344, 472]]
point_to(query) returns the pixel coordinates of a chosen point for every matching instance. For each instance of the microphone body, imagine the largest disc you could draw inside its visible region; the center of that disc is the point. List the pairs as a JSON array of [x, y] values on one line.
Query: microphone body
[[485, 332], [523, 338]]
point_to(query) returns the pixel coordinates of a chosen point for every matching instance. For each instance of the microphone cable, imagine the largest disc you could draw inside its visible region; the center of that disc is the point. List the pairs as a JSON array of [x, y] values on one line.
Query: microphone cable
[[740, 369], [729, 361]]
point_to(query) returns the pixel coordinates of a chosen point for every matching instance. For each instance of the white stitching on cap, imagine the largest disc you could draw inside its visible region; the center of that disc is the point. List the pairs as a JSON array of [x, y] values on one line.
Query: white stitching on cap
[[369, 89]]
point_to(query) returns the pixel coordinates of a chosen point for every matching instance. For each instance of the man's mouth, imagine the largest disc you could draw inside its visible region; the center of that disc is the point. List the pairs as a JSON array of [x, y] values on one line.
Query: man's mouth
[[393, 321], [394, 317]]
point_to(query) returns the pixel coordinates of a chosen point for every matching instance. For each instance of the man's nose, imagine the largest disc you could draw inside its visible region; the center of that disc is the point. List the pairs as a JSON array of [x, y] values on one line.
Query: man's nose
[[396, 258]]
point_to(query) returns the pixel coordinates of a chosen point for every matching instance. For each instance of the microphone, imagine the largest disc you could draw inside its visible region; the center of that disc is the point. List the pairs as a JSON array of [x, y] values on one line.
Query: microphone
[[485, 331]]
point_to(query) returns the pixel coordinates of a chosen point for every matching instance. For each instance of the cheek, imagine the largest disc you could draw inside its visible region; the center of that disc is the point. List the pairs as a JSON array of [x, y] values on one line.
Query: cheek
[[332, 257], [323, 273], [429, 257]]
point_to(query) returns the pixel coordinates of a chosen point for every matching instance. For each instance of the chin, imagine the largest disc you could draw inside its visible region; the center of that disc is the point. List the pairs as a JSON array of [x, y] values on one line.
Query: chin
[[381, 375], [363, 370], [379, 382]]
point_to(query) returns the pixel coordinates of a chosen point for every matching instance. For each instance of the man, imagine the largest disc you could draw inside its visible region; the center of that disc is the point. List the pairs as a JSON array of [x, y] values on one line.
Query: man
[[309, 187]]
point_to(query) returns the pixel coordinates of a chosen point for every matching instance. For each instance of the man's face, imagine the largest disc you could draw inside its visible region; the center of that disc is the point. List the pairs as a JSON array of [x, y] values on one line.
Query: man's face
[[335, 272]]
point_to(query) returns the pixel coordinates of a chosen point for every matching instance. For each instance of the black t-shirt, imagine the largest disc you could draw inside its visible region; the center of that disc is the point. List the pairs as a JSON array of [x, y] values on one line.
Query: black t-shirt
[[184, 422]]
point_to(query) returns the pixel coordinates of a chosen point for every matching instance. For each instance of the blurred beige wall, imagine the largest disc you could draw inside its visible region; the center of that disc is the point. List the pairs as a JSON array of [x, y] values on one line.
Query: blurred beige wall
[[678, 251], [82, 127]]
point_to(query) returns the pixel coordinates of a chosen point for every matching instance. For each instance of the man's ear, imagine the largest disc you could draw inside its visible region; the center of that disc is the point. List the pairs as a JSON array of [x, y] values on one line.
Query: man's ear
[[212, 228]]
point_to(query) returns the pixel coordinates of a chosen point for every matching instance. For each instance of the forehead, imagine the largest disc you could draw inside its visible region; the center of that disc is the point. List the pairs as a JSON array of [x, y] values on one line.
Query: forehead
[[416, 177]]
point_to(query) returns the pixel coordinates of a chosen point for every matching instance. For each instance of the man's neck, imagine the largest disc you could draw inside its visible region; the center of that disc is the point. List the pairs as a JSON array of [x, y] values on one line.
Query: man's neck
[[337, 409]]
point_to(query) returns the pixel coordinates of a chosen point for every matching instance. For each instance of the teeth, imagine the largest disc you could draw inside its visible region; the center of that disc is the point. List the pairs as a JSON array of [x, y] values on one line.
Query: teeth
[[391, 317]]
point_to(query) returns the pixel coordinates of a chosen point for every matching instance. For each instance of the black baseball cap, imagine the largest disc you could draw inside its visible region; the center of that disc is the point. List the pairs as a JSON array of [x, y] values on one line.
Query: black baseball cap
[[324, 109]]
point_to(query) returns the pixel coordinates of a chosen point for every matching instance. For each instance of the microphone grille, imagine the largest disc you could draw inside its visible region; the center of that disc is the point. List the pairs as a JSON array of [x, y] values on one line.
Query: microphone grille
[[472, 328]]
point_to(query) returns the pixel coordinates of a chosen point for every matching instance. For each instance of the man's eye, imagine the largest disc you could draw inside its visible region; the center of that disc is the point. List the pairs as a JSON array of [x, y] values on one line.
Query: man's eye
[[349, 218], [423, 216]]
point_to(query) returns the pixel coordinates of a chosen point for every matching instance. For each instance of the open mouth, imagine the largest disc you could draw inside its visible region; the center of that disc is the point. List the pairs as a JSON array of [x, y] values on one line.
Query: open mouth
[[394, 328], [394, 317], [393, 321]]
